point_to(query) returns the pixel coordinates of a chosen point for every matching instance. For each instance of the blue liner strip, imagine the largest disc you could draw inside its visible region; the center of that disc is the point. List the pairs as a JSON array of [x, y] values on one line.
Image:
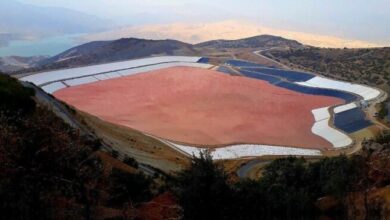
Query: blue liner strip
[[293, 76], [224, 69], [351, 120], [347, 97], [242, 63], [268, 78], [204, 60]]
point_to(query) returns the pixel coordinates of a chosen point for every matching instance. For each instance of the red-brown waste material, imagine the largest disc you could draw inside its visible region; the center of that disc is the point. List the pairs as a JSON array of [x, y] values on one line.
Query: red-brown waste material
[[204, 107]]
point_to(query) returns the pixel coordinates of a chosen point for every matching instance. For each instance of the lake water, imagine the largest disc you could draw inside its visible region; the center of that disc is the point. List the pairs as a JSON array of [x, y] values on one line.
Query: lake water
[[46, 46]]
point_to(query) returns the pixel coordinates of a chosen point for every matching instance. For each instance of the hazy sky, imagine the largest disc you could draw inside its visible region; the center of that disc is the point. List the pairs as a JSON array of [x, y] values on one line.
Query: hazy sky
[[355, 19]]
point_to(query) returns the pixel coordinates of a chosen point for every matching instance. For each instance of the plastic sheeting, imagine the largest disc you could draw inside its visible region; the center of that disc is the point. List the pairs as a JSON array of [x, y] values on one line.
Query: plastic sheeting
[[161, 66], [321, 114], [351, 120], [112, 75], [337, 138], [344, 108], [246, 150], [364, 91], [292, 76], [101, 77], [268, 78], [204, 60], [57, 75], [347, 97], [80, 81], [224, 69], [242, 63], [52, 87]]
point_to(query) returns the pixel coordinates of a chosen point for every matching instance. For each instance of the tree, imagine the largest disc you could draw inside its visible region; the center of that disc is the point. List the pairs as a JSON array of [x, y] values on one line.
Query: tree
[[203, 190], [128, 188], [14, 97]]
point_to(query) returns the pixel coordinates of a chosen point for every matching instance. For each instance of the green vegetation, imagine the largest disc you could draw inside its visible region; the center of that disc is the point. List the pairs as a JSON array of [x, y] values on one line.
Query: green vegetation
[[383, 111], [14, 97], [125, 185], [288, 189], [130, 161], [203, 190], [383, 137]]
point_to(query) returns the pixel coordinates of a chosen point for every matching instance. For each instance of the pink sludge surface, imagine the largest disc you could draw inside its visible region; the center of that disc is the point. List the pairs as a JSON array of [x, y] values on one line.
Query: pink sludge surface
[[203, 107]]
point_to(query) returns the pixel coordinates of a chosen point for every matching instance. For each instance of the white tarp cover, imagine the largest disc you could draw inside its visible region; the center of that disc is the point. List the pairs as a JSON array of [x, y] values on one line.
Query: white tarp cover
[[240, 150], [57, 75], [366, 92], [101, 77], [162, 66], [321, 113], [80, 81], [112, 75], [322, 128], [52, 87], [337, 138], [248, 150], [346, 107]]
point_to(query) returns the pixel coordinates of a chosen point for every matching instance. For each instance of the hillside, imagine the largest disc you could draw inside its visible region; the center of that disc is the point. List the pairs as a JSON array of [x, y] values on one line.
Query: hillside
[[15, 63], [366, 66], [256, 42], [122, 49], [130, 48], [48, 170]]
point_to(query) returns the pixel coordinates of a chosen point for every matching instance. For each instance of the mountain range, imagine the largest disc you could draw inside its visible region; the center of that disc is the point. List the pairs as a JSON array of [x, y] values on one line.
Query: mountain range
[[130, 48]]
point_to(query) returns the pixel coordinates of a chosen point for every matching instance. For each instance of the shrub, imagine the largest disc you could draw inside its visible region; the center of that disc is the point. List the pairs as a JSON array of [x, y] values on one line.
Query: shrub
[[15, 97], [131, 162]]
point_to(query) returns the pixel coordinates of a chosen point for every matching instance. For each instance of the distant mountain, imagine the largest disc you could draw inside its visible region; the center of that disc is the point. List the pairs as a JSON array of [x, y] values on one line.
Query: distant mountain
[[122, 49], [131, 48], [257, 42], [15, 63], [20, 21]]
